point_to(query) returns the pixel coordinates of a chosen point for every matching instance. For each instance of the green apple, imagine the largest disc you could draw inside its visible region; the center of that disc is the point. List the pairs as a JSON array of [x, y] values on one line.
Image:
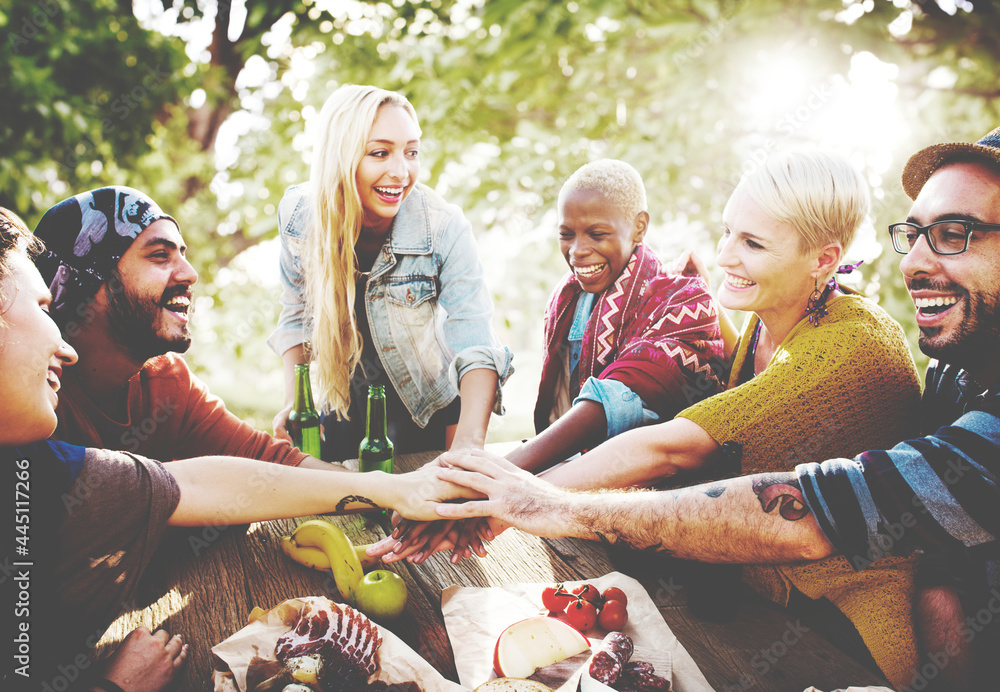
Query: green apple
[[381, 594]]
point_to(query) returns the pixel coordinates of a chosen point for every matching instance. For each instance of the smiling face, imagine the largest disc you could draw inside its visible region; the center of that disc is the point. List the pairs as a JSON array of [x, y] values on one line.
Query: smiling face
[[958, 296], [32, 356], [596, 238], [766, 270], [148, 301], [389, 167]]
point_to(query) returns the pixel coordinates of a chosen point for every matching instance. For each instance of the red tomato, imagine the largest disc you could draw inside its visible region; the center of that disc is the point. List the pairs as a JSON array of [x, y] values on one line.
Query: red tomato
[[613, 593], [588, 592], [581, 614], [556, 598], [613, 616]]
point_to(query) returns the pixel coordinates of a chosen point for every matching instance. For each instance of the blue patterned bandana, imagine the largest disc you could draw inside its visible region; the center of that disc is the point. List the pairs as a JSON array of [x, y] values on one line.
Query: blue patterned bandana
[[86, 235]]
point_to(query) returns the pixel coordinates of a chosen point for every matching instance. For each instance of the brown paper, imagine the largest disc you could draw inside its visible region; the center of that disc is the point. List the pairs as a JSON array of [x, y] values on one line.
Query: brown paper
[[474, 618], [399, 662]]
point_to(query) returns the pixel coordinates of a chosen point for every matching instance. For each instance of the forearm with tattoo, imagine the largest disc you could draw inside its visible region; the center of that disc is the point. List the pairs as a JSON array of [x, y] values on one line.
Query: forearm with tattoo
[[755, 519]]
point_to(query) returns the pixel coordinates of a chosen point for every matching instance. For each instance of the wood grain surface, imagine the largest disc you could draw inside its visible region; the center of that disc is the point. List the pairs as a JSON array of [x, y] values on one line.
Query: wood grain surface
[[204, 583]]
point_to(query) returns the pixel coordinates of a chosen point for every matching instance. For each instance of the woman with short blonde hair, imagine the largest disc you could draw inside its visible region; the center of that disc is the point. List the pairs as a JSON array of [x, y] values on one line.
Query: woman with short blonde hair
[[821, 195]]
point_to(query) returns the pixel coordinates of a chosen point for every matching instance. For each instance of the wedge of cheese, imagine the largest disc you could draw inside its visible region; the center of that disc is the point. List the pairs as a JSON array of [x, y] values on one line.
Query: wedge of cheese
[[530, 644]]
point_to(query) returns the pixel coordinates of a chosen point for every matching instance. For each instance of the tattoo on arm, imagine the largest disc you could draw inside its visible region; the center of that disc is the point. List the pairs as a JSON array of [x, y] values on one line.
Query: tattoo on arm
[[774, 490], [342, 505], [715, 491]]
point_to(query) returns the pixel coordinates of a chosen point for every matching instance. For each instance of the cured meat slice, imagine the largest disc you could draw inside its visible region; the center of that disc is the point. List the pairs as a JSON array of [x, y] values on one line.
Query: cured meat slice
[[610, 659], [639, 676], [346, 641]]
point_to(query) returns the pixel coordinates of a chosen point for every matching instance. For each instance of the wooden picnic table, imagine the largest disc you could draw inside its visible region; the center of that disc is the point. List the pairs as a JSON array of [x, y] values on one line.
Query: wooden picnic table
[[205, 582]]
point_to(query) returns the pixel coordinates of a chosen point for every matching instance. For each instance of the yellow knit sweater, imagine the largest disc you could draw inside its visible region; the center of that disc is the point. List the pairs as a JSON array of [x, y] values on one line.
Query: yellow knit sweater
[[830, 391]]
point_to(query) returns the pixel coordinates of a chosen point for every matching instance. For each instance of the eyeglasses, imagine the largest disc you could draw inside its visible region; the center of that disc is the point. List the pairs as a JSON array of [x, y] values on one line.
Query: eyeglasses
[[949, 237]]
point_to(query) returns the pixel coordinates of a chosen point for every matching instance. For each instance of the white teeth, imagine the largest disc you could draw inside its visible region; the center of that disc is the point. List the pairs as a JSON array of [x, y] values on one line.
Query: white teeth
[[393, 191], [179, 301], [590, 270], [937, 302], [737, 281]]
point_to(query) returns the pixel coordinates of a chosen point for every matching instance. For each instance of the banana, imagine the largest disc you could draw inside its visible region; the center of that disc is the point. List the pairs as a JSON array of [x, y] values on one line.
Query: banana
[[344, 562], [367, 561], [307, 557], [317, 559]]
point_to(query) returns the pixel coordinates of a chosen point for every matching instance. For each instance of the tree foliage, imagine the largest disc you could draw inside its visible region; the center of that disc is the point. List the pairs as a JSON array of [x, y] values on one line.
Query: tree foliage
[[204, 104]]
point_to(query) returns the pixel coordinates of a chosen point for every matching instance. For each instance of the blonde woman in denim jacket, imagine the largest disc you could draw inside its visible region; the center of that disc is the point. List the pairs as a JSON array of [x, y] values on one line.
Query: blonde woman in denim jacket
[[391, 291]]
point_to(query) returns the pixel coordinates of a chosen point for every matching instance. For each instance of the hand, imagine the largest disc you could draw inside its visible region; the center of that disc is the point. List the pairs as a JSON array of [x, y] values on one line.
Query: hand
[[436, 462], [402, 544], [406, 538], [514, 495], [280, 432], [146, 662], [416, 541], [415, 495], [471, 534], [690, 264]]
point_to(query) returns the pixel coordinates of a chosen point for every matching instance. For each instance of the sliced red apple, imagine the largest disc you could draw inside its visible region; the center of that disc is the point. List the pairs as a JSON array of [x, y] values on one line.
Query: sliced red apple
[[530, 644]]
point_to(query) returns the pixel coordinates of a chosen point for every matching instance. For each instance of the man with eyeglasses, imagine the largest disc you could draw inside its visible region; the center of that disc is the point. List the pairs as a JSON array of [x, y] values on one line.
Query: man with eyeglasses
[[938, 494]]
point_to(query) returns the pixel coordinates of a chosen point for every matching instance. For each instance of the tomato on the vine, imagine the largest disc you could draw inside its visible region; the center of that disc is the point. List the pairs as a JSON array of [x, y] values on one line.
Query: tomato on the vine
[[556, 598], [588, 592], [613, 593], [581, 614], [613, 616]]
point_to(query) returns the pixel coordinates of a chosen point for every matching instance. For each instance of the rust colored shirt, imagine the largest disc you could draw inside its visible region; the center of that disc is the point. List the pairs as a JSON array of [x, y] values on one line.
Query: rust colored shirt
[[171, 415]]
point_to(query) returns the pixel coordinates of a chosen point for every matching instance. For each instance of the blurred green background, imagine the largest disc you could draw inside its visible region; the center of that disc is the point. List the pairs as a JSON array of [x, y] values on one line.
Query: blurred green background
[[205, 105]]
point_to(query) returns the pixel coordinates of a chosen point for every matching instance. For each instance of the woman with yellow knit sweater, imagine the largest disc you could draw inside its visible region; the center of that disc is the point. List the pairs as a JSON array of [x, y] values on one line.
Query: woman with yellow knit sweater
[[818, 372]]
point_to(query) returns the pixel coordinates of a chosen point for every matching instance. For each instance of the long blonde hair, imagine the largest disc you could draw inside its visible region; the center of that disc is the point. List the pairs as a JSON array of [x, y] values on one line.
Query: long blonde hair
[[344, 125]]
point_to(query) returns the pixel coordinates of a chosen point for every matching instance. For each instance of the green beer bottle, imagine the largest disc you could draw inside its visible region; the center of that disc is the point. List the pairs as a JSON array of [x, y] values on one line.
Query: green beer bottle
[[375, 453], [303, 421]]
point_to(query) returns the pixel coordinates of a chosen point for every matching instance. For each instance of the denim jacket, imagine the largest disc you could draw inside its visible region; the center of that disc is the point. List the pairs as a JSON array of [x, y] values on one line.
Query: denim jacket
[[428, 307]]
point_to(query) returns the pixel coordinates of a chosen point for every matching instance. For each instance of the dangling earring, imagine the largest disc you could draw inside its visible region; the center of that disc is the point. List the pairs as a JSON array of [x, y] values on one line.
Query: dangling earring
[[816, 307]]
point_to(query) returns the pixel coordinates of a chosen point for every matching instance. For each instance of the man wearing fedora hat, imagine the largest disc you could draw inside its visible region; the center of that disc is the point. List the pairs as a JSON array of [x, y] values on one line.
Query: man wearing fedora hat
[[937, 494]]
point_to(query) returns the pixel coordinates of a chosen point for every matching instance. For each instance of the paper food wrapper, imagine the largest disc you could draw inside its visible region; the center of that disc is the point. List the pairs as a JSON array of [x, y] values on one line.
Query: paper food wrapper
[[475, 617], [852, 689], [399, 662]]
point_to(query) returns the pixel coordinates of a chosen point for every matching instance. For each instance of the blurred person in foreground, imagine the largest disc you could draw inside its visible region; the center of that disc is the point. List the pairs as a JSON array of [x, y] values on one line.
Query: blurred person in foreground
[[819, 371], [96, 516], [936, 494], [117, 267]]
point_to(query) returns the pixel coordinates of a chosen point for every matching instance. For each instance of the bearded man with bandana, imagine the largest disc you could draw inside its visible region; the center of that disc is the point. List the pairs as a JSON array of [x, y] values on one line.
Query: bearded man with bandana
[[121, 284]]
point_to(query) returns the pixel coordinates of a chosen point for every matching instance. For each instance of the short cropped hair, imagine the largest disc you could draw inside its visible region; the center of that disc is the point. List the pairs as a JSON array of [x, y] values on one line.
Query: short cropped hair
[[821, 195], [616, 180]]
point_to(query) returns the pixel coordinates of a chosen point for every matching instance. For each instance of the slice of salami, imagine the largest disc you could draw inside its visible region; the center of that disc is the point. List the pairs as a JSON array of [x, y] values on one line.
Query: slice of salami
[[639, 676], [638, 667], [618, 645], [610, 659]]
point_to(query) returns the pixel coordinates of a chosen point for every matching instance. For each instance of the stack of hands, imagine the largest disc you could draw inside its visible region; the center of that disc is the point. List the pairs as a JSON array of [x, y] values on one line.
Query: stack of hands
[[510, 497]]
